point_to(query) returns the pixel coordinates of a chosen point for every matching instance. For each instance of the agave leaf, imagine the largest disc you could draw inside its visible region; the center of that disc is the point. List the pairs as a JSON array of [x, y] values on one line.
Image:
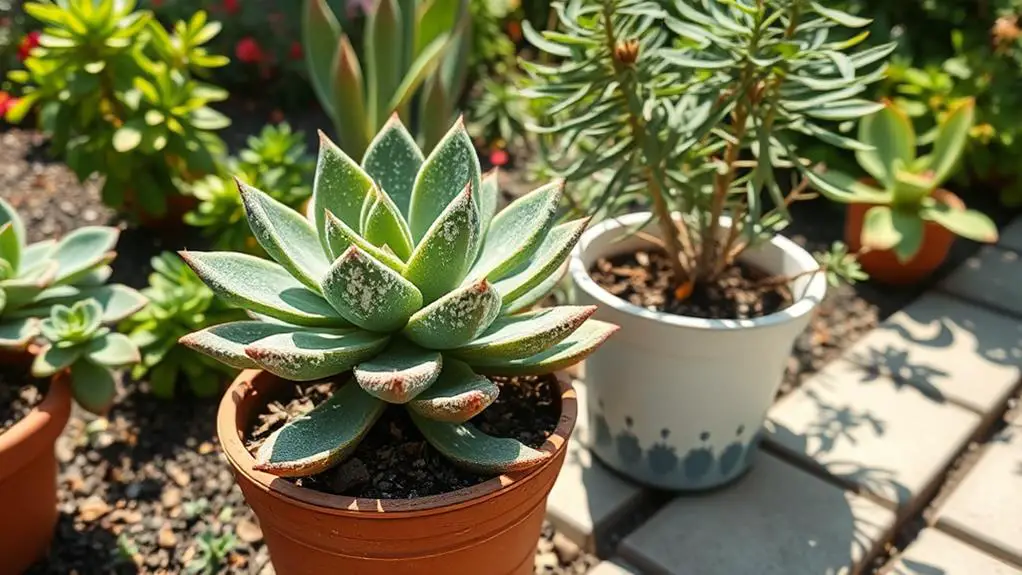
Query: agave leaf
[[951, 139], [16, 333], [441, 260], [93, 386], [433, 109], [340, 185], [8, 215], [517, 232], [10, 251], [400, 373], [489, 198], [890, 134], [340, 237], [458, 395], [285, 235], [475, 451], [385, 226], [117, 301], [384, 54], [450, 168], [53, 359], [435, 17], [349, 99], [536, 294], [308, 355], [368, 293], [253, 283], [320, 35], [421, 68], [969, 224], [550, 256], [113, 350], [568, 352], [322, 437], [455, 319], [226, 342], [83, 250], [523, 335], [393, 160]]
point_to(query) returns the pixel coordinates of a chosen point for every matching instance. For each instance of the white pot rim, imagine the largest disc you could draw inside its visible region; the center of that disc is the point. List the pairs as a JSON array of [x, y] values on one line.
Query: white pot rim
[[812, 296]]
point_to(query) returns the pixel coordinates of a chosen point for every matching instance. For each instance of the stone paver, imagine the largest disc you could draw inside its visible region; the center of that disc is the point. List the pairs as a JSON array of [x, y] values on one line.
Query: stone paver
[[934, 553], [587, 497], [948, 348], [613, 567], [778, 520], [1011, 236], [986, 507], [872, 431], [992, 276]]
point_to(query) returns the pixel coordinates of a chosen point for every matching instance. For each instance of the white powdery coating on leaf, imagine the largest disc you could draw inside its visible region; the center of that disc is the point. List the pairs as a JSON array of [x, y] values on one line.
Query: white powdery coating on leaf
[[367, 293], [463, 311]]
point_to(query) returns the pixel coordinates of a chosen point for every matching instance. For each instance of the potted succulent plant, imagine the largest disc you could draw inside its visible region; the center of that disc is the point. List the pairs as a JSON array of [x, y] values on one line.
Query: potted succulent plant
[[71, 344], [688, 107], [901, 221], [405, 293]]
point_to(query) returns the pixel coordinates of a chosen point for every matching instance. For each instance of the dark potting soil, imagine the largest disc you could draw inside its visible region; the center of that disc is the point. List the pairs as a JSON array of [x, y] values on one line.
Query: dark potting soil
[[394, 460], [645, 279], [17, 400]]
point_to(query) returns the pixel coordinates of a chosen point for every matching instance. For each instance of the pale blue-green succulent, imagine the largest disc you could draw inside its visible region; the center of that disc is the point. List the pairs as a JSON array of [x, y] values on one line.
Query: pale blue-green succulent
[[405, 284]]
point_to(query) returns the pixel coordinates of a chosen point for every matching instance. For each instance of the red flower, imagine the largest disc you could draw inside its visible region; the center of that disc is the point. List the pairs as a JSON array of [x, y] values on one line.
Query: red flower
[[232, 6], [248, 50], [498, 157], [296, 51], [31, 40], [6, 103]]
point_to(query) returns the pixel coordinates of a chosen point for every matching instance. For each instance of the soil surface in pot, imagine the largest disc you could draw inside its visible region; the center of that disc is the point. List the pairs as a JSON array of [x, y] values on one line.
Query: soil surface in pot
[[395, 461], [16, 401], [645, 279]]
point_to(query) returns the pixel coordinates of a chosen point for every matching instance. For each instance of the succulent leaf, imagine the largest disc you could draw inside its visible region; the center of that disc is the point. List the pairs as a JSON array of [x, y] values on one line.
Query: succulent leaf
[[489, 199], [350, 114], [319, 439], [517, 232], [285, 235], [569, 351], [10, 251], [423, 65], [113, 350], [263, 286], [226, 342], [434, 17], [400, 373], [340, 237], [550, 256], [320, 35], [536, 294], [8, 215], [912, 229], [16, 333], [450, 168], [368, 293], [455, 319], [457, 396], [117, 301], [308, 355], [443, 256], [340, 185], [524, 335], [878, 229], [385, 226], [83, 250], [393, 160], [841, 187], [475, 451], [951, 139], [969, 224], [55, 358], [384, 54], [890, 134], [37, 253], [911, 188], [24, 289], [93, 386]]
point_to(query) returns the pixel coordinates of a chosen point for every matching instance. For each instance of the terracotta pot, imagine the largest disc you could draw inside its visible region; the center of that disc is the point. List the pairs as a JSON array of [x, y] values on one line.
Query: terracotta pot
[[883, 266], [28, 480], [488, 529]]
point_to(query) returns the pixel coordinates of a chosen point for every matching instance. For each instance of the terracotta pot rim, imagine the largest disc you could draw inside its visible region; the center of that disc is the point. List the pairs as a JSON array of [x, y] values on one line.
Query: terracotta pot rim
[[243, 462], [47, 418]]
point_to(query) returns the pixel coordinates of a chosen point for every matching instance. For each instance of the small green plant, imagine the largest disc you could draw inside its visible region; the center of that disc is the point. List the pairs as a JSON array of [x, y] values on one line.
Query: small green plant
[[212, 552], [179, 303], [499, 113], [402, 275], [491, 46], [415, 53], [903, 195], [119, 97]]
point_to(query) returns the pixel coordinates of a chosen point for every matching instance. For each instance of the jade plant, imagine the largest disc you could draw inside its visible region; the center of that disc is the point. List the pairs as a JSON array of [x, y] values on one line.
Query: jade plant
[[404, 284], [39, 282], [902, 192], [415, 54]]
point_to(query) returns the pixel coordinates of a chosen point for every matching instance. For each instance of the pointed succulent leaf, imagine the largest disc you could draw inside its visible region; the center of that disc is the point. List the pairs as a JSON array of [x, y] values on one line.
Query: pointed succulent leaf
[[93, 386], [10, 250], [450, 168], [8, 215], [458, 395], [340, 237], [113, 350], [523, 335], [455, 319], [253, 283], [878, 229], [911, 188], [385, 226], [350, 115], [434, 106], [393, 160], [442, 259], [117, 301], [471, 449], [285, 235], [568, 352], [24, 289], [951, 139], [536, 294], [55, 358], [368, 293], [891, 137], [489, 198], [226, 342], [969, 224], [423, 65], [399, 373], [82, 250], [340, 185], [517, 232], [15, 334], [434, 17], [309, 355], [550, 256], [384, 55], [320, 35], [322, 437]]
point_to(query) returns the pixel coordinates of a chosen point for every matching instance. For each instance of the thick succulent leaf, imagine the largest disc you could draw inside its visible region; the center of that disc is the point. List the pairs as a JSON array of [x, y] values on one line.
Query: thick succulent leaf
[[226, 342], [8, 215], [340, 185], [260, 285], [450, 168], [16, 333], [455, 319], [568, 352], [82, 250], [443, 256], [308, 355], [423, 65], [320, 34], [113, 350], [841, 187], [384, 225], [523, 335], [400, 373], [517, 232], [912, 229], [10, 250], [538, 293], [951, 139], [24, 289], [322, 437], [37, 253], [368, 293], [550, 256], [350, 115], [53, 359], [340, 237], [393, 160], [285, 235], [435, 18], [118, 301], [878, 230], [93, 386], [912, 188], [969, 224], [459, 395], [95, 277], [384, 57], [489, 198], [475, 451], [890, 134]]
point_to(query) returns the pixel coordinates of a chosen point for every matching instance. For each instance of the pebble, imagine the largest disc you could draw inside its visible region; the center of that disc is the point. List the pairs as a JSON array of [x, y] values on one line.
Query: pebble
[[249, 531], [166, 538], [566, 549], [171, 497], [546, 562], [93, 508], [178, 475]]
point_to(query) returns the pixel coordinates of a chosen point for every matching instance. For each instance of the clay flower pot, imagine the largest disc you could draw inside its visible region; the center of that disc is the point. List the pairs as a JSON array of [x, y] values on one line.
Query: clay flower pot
[[883, 266], [488, 529], [28, 480]]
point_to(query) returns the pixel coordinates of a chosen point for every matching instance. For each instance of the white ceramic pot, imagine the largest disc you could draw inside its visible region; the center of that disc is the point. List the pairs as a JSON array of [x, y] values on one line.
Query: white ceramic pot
[[677, 402]]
